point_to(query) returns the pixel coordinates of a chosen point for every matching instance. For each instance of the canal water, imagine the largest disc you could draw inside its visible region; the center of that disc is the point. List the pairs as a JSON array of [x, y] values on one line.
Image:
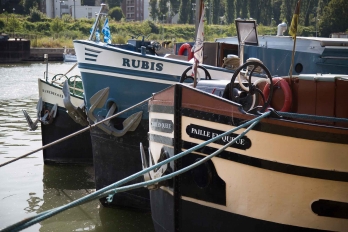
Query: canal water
[[28, 186]]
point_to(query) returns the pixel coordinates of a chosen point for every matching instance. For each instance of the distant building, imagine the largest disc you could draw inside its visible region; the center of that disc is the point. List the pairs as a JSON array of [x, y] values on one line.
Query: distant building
[[87, 12], [147, 10], [133, 10], [57, 8]]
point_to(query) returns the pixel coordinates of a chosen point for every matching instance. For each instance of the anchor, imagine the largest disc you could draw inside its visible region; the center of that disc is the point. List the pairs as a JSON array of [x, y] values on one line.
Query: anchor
[[129, 124], [157, 172], [46, 119], [76, 113]]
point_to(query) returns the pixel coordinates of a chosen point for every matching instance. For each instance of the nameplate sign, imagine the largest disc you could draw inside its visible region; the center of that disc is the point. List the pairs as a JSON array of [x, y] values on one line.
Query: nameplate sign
[[162, 125], [205, 133]]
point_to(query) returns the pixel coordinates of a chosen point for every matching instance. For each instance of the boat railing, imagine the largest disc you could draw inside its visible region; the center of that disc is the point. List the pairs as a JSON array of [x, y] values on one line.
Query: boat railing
[[75, 83]]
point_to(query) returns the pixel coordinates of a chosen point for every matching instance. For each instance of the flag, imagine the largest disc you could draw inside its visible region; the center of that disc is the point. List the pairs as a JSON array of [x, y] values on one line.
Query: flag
[[198, 46], [294, 22], [97, 35], [106, 31]]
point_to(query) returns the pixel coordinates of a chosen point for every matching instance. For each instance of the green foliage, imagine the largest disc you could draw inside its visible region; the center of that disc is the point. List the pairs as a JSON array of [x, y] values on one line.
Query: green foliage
[[43, 27], [35, 15], [119, 39], [335, 17], [232, 30], [67, 18], [82, 25], [29, 26], [145, 28], [2, 24], [13, 24], [57, 26], [153, 26], [261, 30], [116, 13]]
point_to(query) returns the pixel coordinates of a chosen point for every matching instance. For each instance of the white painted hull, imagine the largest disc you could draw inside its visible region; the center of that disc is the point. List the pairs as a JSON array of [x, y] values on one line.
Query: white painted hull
[[53, 94]]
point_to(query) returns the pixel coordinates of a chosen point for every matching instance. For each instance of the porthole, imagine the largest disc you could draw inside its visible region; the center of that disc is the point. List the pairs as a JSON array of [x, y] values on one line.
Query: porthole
[[298, 67]]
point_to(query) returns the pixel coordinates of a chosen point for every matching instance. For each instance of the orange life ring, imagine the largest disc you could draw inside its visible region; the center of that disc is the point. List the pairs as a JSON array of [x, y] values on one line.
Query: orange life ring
[[187, 47], [286, 89]]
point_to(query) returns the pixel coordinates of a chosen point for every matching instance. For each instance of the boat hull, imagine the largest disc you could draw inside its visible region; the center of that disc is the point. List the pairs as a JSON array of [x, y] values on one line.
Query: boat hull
[[117, 158], [75, 150], [282, 175], [312, 54], [130, 78]]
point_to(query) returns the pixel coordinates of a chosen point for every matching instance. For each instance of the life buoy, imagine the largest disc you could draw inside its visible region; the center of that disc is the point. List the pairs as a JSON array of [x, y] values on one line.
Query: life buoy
[[278, 81], [187, 47]]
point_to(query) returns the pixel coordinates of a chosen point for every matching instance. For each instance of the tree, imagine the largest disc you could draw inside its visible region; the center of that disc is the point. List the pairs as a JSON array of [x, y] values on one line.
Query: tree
[[276, 10], [163, 9], [216, 8], [230, 11], [287, 10], [35, 15], [335, 17], [174, 6], [114, 3], [153, 9], [116, 13], [239, 8], [13, 24], [185, 6], [28, 4]]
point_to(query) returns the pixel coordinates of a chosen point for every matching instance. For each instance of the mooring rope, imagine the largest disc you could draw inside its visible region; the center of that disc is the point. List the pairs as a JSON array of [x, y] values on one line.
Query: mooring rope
[[114, 188], [77, 132]]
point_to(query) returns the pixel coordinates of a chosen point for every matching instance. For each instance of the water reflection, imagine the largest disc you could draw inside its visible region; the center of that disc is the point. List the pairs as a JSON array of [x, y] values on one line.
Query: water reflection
[[27, 186], [64, 184]]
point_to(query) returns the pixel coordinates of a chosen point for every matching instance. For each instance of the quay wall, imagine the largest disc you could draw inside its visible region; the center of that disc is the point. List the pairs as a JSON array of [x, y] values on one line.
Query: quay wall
[[14, 50], [54, 54], [18, 50]]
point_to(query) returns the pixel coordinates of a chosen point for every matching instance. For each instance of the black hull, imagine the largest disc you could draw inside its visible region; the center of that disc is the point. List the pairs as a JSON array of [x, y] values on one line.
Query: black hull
[[196, 217], [75, 150], [116, 158]]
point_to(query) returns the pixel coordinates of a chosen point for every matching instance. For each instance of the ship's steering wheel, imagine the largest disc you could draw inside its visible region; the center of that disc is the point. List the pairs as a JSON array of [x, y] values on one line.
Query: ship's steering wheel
[[184, 75], [253, 89]]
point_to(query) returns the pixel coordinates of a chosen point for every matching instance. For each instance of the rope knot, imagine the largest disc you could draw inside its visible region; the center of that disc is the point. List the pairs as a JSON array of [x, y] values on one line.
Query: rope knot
[[111, 196]]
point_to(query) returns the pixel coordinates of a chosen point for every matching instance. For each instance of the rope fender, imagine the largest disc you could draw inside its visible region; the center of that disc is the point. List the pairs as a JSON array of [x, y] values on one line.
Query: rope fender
[[278, 81], [187, 47]]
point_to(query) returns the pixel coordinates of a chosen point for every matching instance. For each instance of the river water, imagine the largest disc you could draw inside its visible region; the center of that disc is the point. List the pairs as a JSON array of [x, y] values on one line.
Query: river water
[[28, 186]]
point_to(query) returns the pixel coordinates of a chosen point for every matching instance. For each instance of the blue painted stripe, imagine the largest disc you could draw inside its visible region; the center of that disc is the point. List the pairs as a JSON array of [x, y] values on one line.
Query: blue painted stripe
[[90, 59], [158, 58], [89, 54], [138, 73], [91, 50]]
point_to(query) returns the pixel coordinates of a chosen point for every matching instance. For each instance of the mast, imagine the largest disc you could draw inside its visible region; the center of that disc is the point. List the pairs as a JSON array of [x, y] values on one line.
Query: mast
[[97, 21], [199, 9]]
